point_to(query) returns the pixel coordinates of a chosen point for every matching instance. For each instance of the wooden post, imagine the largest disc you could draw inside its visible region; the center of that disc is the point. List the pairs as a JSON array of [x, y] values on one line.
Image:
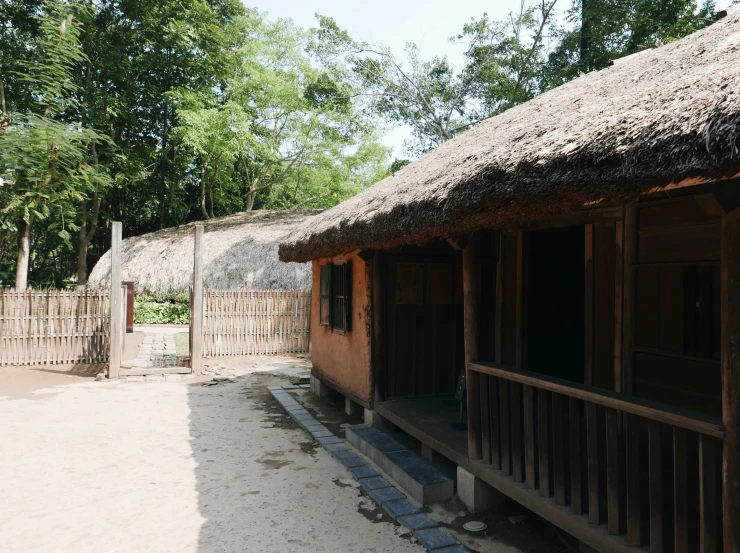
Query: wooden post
[[378, 352], [116, 321], [196, 337], [628, 300], [588, 368], [470, 295], [730, 302]]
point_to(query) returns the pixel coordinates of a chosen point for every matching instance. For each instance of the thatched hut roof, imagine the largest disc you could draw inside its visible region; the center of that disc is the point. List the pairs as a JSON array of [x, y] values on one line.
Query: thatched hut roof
[[660, 116], [240, 251]]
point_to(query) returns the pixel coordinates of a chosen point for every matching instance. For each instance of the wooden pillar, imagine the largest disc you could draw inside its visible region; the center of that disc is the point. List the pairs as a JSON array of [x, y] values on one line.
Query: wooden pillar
[[730, 302], [618, 305], [378, 344], [628, 319], [588, 319], [116, 321], [196, 327], [472, 378]]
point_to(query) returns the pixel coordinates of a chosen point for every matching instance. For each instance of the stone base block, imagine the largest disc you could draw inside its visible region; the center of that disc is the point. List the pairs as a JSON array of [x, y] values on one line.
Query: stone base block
[[351, 408], [475, 494], [318, 388]]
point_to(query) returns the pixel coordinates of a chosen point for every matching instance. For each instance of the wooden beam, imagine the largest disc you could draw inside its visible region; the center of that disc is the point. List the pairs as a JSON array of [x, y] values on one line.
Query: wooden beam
[[116, 321], [730, 302], [588, 303], [628, 320], [618, 303], [470, 305], [584, 216], [520, 300], [196, 327], [378, 322]]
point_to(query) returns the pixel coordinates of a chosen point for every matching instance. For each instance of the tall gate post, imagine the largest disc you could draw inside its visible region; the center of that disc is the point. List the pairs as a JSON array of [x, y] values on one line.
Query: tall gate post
[[116, 322], [196, 327]]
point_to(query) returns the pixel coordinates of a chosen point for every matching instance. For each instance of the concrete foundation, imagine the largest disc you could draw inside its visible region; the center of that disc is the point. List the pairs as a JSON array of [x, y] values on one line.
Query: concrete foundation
[[372, 418], [318, 388], [475, 494], [351, 408]]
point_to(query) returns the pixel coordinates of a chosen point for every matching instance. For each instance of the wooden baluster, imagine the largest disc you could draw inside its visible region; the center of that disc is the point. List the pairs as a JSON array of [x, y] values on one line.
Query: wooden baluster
[[493, 398], [612, 472], [592, 451], [656, 487], [543, 441], [708, 495], [516, 431], [558, 449], [485, 418], [505, 426], [529, 438], [680, 492], [576, 473], [634, 520]]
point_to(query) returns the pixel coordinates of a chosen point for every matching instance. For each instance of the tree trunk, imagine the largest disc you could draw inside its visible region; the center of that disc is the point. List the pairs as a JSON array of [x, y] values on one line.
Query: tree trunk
[[203, 192], [3, 106], [24, 253], [210, 200], [249, 200], [585, 38], [81, 261]]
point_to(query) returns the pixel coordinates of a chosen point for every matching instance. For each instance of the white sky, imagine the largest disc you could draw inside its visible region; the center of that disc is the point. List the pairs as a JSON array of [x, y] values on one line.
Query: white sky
[[394, 23]]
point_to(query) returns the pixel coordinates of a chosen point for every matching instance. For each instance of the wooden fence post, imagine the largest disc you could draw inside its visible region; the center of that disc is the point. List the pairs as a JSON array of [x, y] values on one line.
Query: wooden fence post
[[197, 323], [116, 336]]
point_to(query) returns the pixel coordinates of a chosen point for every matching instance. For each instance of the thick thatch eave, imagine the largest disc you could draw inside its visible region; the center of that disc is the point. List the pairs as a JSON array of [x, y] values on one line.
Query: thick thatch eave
[[240, 252], [660, 116]]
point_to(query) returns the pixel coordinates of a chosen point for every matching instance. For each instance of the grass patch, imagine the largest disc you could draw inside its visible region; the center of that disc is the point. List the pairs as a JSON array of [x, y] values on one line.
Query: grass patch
[[182, 343]]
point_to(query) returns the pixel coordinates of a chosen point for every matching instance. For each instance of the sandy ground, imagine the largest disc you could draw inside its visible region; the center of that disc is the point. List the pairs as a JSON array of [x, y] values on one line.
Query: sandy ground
[[113, 467]]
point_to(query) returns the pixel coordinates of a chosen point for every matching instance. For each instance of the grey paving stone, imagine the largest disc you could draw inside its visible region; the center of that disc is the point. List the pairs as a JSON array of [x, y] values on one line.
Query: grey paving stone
[[418, 521], [343, 453], [351, 461], [134, 379], [304, 417], [384, 495], [336, 447], [322, 434], [374, 483], [172, 377], [436, 538], [316, 427], [290, 387], [453, 549], [155, 378], [398, 507], [330, 440], [363, 471]]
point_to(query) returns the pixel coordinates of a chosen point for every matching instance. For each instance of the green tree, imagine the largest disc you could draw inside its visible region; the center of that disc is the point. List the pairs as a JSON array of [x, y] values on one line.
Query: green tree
[[44, 161], [604, 30]]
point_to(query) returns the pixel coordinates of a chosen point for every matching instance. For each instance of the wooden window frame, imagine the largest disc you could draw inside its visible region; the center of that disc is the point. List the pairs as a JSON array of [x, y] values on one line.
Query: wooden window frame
[[325, 273], [341, 295]]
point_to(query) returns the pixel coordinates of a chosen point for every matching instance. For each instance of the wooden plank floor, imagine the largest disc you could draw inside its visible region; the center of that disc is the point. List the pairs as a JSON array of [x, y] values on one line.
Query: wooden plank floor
[[433, 417]]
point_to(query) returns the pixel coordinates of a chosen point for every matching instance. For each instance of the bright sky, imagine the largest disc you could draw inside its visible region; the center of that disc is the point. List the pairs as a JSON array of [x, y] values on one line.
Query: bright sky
[[394, 23]]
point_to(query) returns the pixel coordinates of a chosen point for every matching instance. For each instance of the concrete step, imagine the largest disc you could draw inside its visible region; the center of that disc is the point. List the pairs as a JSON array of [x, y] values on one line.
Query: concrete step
[[416, 476], [155, 370]]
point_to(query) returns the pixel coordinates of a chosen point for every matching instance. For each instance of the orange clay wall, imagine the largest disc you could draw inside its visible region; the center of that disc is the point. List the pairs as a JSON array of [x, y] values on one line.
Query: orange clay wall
[[343, 360]]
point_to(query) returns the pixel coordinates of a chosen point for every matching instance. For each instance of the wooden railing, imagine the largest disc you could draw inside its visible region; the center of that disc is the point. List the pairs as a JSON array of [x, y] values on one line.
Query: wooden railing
[[256, 322], [54, 327], [647, 470]]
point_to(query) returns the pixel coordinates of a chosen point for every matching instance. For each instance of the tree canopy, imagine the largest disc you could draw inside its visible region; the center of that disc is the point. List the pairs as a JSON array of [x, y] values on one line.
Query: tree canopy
[[161, 113]]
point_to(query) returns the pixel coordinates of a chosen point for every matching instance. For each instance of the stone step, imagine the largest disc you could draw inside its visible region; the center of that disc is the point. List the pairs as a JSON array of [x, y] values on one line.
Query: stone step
[[416, 476], [145, 371]]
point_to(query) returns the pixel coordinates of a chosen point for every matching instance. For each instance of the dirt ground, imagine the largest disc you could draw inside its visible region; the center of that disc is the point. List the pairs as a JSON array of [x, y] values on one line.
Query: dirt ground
[[116, 467], [104, 467]]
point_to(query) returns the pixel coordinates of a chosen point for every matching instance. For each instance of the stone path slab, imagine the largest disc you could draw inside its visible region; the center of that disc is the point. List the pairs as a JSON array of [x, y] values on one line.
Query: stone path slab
[[390, 498]]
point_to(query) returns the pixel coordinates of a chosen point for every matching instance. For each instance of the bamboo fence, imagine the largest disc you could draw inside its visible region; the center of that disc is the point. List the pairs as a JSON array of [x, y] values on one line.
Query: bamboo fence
[[256, 322], [54, 327]]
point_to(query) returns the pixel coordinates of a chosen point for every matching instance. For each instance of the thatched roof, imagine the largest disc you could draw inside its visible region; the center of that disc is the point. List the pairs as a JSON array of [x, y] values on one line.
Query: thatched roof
[[240, 251], [660, 116]]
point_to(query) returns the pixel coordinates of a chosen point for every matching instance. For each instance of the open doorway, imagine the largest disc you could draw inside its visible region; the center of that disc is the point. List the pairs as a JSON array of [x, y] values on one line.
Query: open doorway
[[554, 324]]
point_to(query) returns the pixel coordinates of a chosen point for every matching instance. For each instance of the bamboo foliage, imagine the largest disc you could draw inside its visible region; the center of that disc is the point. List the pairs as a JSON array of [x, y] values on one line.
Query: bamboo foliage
[[256, 322], [54, 327]]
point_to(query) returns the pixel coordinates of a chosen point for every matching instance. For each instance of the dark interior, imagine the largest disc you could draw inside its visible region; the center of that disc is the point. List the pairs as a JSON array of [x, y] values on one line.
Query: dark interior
[[554, 294]]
